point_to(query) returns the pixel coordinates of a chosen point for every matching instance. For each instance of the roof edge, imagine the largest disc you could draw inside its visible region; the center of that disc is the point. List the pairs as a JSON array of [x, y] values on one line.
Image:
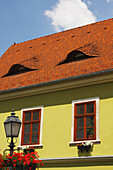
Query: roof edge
[[58, 85], [93, 23]]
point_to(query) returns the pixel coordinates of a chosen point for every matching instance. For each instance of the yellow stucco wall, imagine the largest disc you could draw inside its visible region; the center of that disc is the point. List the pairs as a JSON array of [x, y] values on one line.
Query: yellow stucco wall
[[57, 121]]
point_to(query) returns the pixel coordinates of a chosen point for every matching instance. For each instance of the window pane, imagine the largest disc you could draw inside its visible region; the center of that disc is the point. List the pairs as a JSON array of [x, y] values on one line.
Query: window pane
[[80, 109], [27, 128], [27, 116], [89, 121], [90, 108], [80, 133], [36, 115], [90, 133], [35, 138], [26, 138], [80, 122], [35, 127]]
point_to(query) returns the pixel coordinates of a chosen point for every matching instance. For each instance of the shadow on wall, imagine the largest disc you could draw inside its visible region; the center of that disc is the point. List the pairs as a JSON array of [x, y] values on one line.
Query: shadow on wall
[[85, 152]]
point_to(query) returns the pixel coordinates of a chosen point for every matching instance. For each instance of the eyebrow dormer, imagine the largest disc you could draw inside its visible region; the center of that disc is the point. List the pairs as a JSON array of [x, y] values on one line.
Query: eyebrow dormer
[[17, 69], [75, 55]]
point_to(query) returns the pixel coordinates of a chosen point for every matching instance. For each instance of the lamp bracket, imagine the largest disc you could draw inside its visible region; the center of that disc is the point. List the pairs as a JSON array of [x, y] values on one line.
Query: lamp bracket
[[18, 149], [9, 142]]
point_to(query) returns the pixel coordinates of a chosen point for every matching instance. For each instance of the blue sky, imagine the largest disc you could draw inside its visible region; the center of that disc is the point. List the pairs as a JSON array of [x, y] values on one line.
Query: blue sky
[[22, 20]]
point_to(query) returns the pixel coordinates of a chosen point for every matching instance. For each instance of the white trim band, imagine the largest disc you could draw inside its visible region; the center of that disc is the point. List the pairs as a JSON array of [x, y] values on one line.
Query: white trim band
[[88, 159]]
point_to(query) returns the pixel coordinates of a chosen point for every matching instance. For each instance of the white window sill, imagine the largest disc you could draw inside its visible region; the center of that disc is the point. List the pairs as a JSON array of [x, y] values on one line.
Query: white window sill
[[78, 142], [34, 146]]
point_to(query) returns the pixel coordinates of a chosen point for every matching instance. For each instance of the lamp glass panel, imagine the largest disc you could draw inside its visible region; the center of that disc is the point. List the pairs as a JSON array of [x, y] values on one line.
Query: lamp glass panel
[[8, 129], [15, 129]]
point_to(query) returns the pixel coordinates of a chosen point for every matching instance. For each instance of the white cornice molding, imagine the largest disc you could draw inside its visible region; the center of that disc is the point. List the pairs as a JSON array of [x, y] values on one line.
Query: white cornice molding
[[78, 160], [56, 86]]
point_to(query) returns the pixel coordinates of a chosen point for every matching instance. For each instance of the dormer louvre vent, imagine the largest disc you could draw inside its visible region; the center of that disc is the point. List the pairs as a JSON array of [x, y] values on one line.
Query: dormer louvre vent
[[17, 69], [75, 56]]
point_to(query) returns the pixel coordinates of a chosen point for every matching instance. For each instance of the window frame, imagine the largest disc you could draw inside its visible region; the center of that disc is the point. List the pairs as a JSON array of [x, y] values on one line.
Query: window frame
[[39, 143], [96, 138], [84, 116]]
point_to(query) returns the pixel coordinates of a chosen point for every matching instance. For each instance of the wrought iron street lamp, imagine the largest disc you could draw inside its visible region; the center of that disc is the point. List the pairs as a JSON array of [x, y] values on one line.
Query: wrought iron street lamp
[[12, 127]]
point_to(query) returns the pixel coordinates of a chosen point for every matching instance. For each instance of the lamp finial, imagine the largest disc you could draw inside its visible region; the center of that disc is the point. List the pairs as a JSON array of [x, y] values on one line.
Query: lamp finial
[[12, 112]]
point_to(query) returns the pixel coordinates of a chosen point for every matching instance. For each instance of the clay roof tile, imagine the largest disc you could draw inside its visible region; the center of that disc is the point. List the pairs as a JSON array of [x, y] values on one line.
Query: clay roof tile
[[71, 53]]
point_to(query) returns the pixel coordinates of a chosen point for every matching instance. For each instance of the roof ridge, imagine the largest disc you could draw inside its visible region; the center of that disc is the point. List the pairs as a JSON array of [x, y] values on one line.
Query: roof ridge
[[63, 31]]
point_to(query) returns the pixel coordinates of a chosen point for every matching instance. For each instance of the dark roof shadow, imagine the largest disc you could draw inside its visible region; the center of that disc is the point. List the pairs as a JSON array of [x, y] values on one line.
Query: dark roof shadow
[[74, 56], [17, 69]]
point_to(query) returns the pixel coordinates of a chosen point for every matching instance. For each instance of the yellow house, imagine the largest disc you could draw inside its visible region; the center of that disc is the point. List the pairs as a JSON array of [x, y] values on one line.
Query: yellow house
[[61, 87]]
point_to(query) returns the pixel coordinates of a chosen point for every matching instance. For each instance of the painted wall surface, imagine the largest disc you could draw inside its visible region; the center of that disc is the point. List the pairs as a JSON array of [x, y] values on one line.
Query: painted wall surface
[[57, 121]]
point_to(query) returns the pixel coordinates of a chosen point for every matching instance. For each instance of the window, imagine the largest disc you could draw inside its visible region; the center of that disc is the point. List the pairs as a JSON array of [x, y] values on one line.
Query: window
[[85, 120], [31, 126], [75, 56], [17, 69]]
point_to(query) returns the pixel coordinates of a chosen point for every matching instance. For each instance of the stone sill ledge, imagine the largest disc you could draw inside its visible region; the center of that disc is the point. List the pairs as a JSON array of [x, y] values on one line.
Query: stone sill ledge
[[34, 146], [80, 142]]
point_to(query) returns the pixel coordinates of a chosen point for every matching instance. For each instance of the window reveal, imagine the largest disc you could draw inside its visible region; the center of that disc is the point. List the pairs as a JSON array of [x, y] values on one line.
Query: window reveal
[[31, 127], [85, 121]]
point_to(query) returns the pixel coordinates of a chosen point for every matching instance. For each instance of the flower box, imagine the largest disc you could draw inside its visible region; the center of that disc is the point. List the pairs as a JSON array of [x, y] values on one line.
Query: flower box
[[85, 146]]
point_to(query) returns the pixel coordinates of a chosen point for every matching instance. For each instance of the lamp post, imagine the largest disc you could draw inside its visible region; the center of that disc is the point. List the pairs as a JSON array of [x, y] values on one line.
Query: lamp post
[[12, 127]]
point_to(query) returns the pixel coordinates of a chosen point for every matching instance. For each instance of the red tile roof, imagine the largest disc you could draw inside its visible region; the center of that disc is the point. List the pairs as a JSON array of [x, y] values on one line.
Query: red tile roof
[[44, 54]]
